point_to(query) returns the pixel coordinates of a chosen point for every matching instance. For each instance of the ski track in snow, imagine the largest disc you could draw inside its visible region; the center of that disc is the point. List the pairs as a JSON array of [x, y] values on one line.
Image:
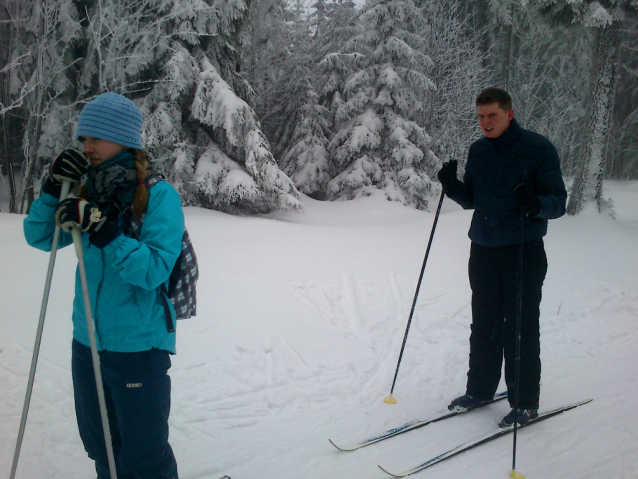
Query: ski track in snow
[[298, 336]]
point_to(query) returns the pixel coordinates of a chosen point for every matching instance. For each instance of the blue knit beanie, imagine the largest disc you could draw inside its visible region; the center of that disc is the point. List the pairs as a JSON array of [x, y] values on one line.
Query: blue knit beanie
[[114, 118]]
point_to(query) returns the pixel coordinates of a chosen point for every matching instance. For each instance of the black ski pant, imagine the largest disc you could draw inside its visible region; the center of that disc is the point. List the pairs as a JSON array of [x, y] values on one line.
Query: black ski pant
[[137, 390], [493, 273]]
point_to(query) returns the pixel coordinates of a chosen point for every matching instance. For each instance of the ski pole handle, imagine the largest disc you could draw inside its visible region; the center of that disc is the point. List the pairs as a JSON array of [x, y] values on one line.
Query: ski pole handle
[[66, 187]]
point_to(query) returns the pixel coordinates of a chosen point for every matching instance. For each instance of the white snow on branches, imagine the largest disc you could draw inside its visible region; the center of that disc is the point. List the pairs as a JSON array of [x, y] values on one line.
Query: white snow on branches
[[216, 105]]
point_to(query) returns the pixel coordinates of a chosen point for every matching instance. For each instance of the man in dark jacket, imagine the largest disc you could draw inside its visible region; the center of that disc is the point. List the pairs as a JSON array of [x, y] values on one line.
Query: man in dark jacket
[[514, 184]]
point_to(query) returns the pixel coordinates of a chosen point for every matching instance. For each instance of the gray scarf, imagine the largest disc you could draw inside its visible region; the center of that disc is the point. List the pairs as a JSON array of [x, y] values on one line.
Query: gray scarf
[[113, 181]]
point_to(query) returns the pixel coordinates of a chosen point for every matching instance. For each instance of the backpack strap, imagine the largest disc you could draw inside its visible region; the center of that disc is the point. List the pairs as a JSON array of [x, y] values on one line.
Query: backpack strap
[[167, 310]]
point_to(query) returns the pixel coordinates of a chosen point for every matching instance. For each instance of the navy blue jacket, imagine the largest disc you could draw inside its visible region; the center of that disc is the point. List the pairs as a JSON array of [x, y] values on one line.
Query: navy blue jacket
[[494, 168]]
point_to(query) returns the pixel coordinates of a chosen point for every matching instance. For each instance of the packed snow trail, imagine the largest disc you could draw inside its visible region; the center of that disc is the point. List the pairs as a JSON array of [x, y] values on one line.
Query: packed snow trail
[[300, 321]]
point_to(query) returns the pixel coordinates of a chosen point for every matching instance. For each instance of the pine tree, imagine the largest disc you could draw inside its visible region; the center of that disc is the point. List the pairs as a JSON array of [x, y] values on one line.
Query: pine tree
[[307, 161], [278, 63], [178, 61], [335, 25], [622, 157], [258, 186], [320, 11], [379, 145]]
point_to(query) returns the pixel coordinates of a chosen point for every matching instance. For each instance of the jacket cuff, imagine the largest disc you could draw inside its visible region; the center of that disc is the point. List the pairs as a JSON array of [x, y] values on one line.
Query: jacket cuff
[[107, 233], [536, 209], [51, 188]]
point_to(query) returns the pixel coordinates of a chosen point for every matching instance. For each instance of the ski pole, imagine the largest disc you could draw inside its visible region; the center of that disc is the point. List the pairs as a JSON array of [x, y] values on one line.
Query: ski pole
[[66, 186], [519, 315], [390, 399], [79, 250]]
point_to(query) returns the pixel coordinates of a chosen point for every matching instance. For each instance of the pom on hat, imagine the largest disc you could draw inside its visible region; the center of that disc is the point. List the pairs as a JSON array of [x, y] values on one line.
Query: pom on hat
[[114, 118]]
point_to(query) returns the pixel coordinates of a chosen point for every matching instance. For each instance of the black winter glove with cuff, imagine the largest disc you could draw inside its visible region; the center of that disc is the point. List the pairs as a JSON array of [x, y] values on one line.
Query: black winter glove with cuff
[[526, 199], [447, 177], [78, 213], [69, 165]]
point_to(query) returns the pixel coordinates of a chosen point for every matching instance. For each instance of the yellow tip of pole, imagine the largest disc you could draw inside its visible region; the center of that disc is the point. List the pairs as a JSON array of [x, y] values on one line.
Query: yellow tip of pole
[[516, 475], [390, 399]]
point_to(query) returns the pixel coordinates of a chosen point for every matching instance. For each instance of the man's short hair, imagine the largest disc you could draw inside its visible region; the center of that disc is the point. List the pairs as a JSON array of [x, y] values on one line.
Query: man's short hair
[[495, 95]]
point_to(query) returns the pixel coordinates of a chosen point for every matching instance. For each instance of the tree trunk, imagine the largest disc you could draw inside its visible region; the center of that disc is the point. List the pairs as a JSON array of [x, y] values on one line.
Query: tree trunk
[[7, 33], [8, 165], [509, 54], [30, 167], [588, 182]]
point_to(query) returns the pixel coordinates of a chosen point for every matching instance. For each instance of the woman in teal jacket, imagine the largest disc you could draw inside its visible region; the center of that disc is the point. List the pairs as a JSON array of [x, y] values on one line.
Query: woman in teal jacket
[[124, 273]]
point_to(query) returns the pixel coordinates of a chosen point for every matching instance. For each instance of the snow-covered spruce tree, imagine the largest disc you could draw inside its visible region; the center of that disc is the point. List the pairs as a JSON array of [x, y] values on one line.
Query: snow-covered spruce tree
[[265, 49], [622, 156], [307, 160], [334, 26], [604, 16], [283, 61], [310, 117], [277, 62], [379, 145], [222, 159], [257, 186], [179, 61], [320, 10]]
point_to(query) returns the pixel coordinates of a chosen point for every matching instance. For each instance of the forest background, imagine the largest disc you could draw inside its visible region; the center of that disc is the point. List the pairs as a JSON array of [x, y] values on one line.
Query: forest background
[[249, 103]]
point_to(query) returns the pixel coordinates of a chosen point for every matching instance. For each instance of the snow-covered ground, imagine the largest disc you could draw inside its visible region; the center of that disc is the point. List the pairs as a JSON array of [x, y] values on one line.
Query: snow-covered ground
[[301, 319]]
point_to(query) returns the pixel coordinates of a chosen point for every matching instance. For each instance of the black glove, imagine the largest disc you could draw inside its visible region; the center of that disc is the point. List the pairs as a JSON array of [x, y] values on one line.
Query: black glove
[[69, 165], [447, 176], [78, 213], [526, 199]]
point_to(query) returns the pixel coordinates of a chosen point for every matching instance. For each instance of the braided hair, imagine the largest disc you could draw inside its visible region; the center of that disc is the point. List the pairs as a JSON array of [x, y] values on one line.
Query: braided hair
[[140, 200]]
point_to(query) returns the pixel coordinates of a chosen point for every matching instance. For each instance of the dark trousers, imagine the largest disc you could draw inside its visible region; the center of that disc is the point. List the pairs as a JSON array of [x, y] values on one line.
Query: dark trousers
[[494, 277], [137, 390]]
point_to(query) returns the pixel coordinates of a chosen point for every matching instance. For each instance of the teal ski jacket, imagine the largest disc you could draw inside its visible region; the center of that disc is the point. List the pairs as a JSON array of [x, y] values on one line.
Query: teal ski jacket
[[124, 277]]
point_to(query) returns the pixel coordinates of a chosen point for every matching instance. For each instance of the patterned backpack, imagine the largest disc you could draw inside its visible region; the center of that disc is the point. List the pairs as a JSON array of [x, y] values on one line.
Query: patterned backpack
[[181, 285]]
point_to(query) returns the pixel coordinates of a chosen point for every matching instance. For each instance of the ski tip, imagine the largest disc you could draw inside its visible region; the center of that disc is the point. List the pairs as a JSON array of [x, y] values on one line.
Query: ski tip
[[339, 447], [389, 473], [390, 399], [516, 475]]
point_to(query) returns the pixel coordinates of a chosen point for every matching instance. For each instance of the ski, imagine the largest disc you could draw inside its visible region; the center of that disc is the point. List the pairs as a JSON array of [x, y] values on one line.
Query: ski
[[409, 426], [478, 442]]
